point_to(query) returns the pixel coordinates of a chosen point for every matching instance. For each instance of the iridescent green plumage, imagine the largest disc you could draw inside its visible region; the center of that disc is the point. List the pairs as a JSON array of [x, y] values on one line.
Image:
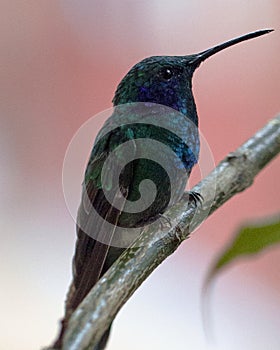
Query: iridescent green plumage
[[165, 81]]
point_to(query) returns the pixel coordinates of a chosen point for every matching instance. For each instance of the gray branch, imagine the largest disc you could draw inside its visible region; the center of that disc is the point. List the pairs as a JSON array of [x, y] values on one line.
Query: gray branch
[[234, 174]]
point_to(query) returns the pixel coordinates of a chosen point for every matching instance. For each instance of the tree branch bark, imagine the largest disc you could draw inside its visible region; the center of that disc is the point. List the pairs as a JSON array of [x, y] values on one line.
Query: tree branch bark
[[233, 175]]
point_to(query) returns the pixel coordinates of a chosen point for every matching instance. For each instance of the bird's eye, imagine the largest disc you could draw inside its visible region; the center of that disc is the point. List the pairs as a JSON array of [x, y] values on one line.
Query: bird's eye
[[166, 73]]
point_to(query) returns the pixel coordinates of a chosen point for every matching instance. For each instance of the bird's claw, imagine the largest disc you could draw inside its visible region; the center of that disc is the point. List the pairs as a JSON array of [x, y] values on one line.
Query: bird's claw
[[196, 197]]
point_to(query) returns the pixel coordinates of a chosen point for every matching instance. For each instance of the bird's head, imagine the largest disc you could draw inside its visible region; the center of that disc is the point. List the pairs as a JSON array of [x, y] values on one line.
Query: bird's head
[[167, 80], [164, 80]]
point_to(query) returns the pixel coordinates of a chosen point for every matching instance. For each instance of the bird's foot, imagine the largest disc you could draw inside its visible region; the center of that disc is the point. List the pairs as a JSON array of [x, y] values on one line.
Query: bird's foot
[[196, 197]]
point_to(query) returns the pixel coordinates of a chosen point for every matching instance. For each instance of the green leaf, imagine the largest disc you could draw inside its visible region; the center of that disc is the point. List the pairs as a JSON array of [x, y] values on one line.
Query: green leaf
[[249, 241]]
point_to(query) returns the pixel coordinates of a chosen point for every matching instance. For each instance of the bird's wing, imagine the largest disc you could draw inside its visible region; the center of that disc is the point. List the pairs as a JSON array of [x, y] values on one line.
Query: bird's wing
[[94, 214]]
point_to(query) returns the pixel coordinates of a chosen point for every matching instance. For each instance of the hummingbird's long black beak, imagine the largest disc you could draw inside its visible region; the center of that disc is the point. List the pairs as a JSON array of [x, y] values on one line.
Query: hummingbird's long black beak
[[198, 58]]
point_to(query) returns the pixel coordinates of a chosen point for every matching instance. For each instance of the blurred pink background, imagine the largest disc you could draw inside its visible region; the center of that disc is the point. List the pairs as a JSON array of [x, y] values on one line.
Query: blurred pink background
[[60, 64]]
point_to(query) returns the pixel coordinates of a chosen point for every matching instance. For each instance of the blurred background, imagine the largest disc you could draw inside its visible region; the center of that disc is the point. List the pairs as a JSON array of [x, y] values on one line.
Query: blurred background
[[60, 64]]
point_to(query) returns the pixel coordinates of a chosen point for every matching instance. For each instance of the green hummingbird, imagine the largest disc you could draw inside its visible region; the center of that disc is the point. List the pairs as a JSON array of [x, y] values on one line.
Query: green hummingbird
[[155, 81]]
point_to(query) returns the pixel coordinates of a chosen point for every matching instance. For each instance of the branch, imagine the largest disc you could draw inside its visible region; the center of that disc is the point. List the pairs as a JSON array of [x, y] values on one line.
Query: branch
[[234, 174]]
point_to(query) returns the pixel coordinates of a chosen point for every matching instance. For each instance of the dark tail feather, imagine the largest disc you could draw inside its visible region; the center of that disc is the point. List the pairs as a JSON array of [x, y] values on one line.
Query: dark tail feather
[[58, 343], [83, 282]]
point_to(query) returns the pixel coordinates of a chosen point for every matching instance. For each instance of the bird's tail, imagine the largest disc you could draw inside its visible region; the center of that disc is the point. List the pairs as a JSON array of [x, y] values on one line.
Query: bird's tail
[[64, 324]]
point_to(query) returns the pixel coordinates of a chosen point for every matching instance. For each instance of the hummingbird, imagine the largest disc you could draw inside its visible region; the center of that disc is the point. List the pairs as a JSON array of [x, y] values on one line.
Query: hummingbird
[[157, 80]]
